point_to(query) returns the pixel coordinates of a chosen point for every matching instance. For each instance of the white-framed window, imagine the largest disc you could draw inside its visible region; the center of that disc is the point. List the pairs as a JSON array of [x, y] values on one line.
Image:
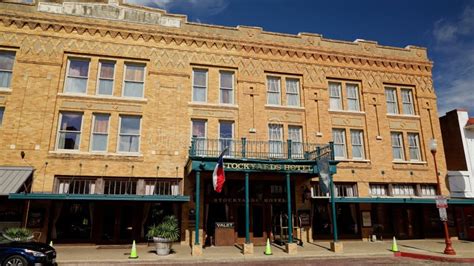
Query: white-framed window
[[226, 135], [2, 111], [428, 190], [100, 132], [199, 85], [357, 142], [273, 90], [295, 134], [403, 190], [339, 138], [391, 99], [378, 190], [77, 75], [397, 146], [346, 190], [335, 96], [105, 80], [292, 92], [407, 102], [414, 146], [129, 134], [69, 131], [134, 80], [226, 87], [199, 133], [7, 58], [352, 97], [275, 137]]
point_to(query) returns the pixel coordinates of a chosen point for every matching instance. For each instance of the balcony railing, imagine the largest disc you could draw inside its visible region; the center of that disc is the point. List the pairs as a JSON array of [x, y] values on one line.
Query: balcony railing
[[255, 149]]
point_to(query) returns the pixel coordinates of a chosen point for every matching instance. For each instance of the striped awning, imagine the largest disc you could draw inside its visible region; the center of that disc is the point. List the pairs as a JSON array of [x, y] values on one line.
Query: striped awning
[[12, 178]]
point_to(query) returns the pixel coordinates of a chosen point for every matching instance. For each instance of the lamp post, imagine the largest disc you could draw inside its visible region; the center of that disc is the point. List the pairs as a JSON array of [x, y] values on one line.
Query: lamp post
[[447, 240]]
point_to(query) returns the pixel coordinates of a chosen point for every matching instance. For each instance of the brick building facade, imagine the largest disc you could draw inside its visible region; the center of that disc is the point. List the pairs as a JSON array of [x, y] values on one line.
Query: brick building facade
[[103, 98]]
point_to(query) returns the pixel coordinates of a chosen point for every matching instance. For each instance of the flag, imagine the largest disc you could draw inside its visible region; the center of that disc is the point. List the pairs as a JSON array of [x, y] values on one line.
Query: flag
[[323, 165], [218, 176]]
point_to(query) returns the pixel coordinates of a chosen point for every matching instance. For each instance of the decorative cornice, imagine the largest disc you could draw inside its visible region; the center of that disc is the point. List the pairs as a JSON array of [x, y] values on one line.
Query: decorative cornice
[[161, 35]]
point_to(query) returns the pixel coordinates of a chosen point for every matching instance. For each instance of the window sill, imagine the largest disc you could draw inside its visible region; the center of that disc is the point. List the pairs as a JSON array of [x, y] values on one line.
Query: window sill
[[348, 112], [284, 107], [75, 152], [353, 160], [213, 105], [103, 97], [409, 162], [403, 116], [6, 90]]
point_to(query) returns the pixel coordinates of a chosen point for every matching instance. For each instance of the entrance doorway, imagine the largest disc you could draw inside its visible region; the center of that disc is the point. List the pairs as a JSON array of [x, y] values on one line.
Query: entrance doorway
[[118, 223]]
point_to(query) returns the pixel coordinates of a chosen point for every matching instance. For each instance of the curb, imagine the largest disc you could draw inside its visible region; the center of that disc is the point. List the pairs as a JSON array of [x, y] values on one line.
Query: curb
[[432, 257]]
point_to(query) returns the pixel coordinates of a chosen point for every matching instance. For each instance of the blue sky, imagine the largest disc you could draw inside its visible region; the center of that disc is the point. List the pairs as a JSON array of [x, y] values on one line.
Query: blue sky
[[446, 28]]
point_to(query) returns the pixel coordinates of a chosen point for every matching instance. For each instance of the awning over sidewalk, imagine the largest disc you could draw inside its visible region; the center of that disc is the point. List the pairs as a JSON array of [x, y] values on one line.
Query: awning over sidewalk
[[401, 200], [12, 178], [98, 197]]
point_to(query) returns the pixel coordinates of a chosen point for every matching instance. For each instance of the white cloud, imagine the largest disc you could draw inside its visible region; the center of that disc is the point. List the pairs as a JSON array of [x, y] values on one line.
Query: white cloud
[[190, 7]]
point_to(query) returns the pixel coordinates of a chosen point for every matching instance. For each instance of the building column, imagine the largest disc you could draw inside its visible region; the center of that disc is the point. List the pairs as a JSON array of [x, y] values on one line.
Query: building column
[[197, 247], [248, 247], [290, 246]]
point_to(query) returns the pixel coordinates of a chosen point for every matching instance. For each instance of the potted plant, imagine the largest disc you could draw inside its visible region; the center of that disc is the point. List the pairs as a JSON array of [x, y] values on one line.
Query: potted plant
[[164, 234], [17, 234]]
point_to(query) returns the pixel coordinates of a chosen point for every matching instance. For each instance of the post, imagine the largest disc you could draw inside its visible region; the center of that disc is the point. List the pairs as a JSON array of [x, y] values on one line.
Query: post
[[196, 226], [333, 208], [288, 143], [335, 245], [247, 209], [244, 147], [290, 220], [192, 149]]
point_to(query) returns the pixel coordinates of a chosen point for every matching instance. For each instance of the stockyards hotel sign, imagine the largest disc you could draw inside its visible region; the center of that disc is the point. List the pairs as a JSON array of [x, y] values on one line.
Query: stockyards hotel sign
[[263, 167]]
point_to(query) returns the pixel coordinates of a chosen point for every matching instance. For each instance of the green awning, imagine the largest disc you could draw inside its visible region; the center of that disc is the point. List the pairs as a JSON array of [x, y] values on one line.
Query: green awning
[[401, 200], [98, 197]]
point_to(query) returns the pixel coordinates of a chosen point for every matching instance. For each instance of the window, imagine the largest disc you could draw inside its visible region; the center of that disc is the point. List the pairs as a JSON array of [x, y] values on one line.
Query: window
[[403, 190], [134, 80], [414, 146], [346, 190], [335, 96], [397, 146], [378, 190], [129, 135], [226, 134], [407, 102], [199, 85], [428, 190], [275, 136], [7, 59], [69, 133], [273, 90], [199, 135], [339, 138], [105, 84], [353, 97], [75, 186], [227, 87], [357, 142], [292, 92], [391, 98], [2, 111], [295, 135], [100, 132], [77, 76]]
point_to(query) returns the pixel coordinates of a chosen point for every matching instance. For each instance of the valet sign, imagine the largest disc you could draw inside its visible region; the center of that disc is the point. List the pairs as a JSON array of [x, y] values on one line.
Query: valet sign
[[442, 205]]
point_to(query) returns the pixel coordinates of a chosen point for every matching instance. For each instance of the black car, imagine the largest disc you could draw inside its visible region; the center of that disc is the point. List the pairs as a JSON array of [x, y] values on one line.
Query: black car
[[26, 253]]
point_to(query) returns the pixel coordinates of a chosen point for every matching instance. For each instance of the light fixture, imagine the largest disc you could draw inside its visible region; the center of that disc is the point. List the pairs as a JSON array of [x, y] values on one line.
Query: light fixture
[[433, 145]]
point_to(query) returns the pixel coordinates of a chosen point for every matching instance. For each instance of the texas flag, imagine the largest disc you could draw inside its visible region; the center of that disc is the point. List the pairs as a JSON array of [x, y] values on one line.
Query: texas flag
[[218, 176]]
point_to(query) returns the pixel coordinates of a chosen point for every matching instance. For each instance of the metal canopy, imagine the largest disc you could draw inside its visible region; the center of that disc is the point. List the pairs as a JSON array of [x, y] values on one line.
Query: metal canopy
[[12, 178], [98, 197]]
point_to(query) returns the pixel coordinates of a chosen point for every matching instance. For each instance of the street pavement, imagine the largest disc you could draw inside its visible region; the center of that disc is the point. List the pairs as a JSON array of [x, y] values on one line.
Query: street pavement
[[355, 253]]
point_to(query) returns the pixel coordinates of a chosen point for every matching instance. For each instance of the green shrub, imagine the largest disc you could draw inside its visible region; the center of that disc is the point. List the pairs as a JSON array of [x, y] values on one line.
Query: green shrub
[[167, 229], [17, 233]]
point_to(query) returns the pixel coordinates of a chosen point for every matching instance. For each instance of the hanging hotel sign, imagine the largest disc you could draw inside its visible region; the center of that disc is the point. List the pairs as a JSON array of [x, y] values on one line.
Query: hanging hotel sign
[[269, 167]]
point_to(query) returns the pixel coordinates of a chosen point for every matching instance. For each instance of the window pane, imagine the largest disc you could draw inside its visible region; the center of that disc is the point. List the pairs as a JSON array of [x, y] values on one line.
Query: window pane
[[335, 101], [413, 143], [129, 143], [397, 146], [6, 60], [200, 78], [78, 68], [199, 128], [99, 142], [105, 87], [225, 130], [357, 144], [226, 90], [2, 110], [407, 101], [130, 125], [339, 139], [101, 123], [292, 92], [69, 141], [353, 97], [273, 90], [5, 79], [134, 72], [71, 122], [107, 70], [226, 79], [391, 99], [77, 85], [133, 89], [227, 96], [199, 94]]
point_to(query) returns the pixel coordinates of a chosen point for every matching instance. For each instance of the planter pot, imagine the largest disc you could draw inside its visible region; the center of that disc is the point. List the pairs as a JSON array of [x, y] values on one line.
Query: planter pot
[[162, 246]]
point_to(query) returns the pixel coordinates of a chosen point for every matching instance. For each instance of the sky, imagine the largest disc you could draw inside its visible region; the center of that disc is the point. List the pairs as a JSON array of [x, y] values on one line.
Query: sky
[[445, 27]]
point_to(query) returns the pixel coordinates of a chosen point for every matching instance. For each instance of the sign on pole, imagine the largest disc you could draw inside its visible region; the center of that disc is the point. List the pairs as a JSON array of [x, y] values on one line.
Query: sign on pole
[[443, 215], [441, 202]]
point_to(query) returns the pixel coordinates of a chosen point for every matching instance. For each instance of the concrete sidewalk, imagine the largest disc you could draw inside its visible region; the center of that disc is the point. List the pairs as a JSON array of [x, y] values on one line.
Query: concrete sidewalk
[[81, 255]]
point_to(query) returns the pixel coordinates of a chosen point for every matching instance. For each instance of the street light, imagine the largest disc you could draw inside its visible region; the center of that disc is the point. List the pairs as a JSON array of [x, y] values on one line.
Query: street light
[[447, 240]]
